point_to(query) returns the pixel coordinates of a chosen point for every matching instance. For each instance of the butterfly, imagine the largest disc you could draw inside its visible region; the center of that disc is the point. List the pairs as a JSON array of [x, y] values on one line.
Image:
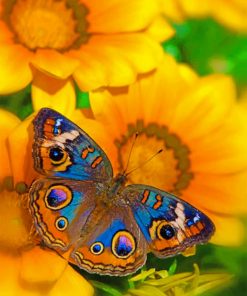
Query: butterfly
[[84, 213]]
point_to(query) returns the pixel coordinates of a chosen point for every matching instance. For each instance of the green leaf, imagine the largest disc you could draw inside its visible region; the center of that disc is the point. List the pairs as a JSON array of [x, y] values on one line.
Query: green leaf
[[210, 48], [106, 288], [82, 98], [173, 267]]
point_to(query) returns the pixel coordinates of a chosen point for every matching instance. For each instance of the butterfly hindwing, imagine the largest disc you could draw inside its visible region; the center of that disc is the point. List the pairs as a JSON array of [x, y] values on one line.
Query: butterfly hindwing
[[62, 149], [111, 243], [60, 208], [169, 224]]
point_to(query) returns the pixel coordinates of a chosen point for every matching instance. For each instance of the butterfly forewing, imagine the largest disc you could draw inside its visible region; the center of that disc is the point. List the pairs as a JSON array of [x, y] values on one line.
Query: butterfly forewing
[[62, 149], [169, 224]]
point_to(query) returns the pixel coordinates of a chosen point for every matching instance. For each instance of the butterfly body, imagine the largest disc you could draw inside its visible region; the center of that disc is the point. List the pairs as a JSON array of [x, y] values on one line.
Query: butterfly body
[[104, 225]]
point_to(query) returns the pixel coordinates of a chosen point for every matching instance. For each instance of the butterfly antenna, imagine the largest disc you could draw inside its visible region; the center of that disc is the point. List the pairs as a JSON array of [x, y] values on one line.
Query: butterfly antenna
[[129, 156], [145, 162]]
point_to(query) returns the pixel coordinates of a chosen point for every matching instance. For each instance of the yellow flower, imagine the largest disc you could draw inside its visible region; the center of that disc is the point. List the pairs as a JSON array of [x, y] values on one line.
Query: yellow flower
[[106, 43], [231, 13], [26, 268], [166, 282], [199, 126], [162, 283]]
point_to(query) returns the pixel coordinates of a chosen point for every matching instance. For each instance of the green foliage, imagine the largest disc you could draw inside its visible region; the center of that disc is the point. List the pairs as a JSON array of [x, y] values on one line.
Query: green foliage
[[18, 103], [82, 99], [210, 48]]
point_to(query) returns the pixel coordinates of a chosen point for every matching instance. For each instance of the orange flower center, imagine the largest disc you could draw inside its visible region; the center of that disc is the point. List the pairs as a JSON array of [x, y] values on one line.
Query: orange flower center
[[47, 24], [168, 170]]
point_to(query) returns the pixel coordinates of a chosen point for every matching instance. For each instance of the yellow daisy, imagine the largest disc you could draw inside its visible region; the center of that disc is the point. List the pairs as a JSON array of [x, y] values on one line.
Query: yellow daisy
[[106, 43], [26, 268], [231, 13], [199, 126]]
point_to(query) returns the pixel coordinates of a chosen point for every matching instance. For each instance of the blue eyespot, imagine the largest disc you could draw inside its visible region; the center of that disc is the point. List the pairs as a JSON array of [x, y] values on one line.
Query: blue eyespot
[[61, 223], [56, 154], [97, 248], [166, 231], [58, 197], [123, 244], [123, 247]]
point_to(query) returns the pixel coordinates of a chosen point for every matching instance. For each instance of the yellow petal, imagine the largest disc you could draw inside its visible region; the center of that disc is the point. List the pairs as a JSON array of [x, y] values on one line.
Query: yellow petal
[[54, 63], [229, 230], [41, 266], [21, 159], [101, 68], [53, 93], [160, 29], [128, 15], [113, 60], [101, 102], [195, 8], [222, 150], [231, 14], [9, 274], [71, 283], [7, 123], [204, 106], [191, 251], [223, 193], [188, 74], [137, 101], [15, 72], [171, 9], [126, 45]]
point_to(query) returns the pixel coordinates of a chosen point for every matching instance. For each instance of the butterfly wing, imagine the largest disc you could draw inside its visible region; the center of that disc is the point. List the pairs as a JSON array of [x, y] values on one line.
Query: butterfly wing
[[169, 224], [111, 242], [62, 149], [60, 209]]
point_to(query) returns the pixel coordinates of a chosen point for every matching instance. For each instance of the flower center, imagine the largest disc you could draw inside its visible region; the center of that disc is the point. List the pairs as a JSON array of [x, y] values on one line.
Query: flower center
[[47, 24], [169, 170]]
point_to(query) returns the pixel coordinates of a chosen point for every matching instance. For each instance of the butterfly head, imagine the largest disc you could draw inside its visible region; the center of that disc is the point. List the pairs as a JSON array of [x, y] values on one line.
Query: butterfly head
[[121, 179], [117, 184]]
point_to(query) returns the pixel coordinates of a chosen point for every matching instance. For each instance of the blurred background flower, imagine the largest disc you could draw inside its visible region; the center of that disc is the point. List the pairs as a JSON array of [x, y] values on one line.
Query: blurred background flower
[[53, 52], [231, 13], [78, 39], [200, 127]]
